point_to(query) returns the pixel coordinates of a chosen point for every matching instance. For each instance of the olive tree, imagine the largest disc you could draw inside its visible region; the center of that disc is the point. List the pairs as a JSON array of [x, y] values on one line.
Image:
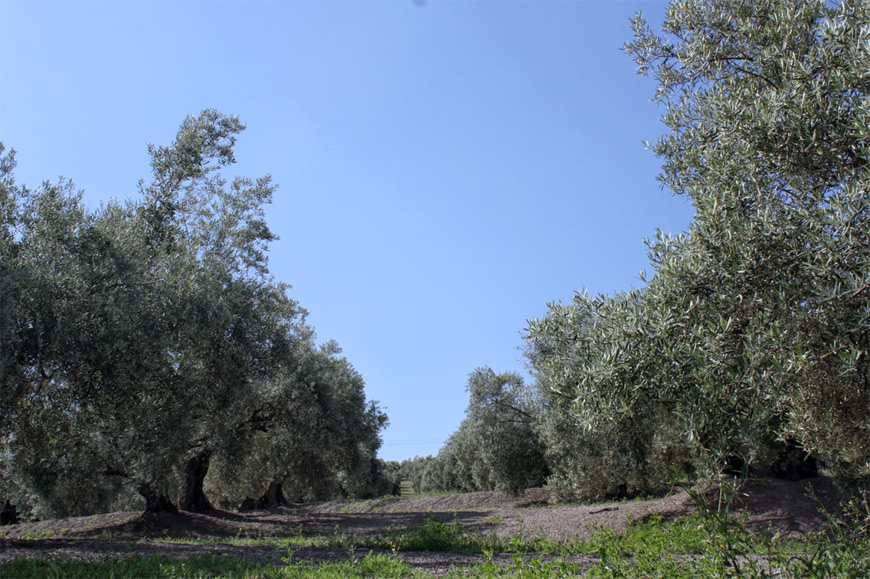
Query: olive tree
[[78, 345], [313, 436], [502, 414], [751, 336], [137, 339], [496, 446], [768, 112], [597, 370]]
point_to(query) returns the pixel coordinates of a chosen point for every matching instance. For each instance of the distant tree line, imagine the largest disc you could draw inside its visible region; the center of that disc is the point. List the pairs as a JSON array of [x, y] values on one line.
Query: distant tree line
[[495, 448], [148, 358], [750, 343]]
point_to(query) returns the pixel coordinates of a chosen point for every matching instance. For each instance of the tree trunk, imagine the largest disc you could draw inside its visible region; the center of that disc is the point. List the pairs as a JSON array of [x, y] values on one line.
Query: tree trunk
[[156, 502], [9, 514], [191, 496], [274, 496], [794, 463]]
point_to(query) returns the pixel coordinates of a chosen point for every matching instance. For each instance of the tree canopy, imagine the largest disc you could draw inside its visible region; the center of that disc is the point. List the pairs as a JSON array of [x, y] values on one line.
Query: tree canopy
[[752, 333], [145, 349], [748, 345], [138, 341]]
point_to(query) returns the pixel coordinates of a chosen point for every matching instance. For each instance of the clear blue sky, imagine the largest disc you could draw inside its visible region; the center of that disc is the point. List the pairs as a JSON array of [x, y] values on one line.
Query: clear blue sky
[[446, 169]]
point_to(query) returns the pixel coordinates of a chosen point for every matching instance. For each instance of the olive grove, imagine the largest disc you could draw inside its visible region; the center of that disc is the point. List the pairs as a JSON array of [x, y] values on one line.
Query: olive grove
[[146, 351], [748, 345], [140, 342], [495, 447]]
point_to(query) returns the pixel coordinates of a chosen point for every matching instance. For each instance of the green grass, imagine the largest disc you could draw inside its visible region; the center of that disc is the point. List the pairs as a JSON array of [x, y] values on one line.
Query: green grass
[[656, 536], [289, 541], [715, 544], [452, 537], [432, 535], [708, 545], [201, 567]]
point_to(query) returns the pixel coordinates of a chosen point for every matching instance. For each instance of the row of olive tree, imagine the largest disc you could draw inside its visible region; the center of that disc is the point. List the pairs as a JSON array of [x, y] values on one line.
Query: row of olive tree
[[752, 336], [140, 343], [751, 342], [496, 447]]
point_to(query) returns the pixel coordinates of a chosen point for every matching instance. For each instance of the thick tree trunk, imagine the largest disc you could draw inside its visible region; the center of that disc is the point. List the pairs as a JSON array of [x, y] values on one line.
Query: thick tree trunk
[[191, 496], [156, 502], [274, 496], [9, 514], [794, 463]]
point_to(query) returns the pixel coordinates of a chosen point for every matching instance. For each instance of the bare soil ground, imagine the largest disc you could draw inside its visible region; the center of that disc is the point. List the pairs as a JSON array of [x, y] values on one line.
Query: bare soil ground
[[769, 503]]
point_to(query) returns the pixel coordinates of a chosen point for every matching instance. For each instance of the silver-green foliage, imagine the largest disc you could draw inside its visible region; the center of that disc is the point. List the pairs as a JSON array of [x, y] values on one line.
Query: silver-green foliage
[[766, 295], [496, 446], [754, 326], [314, 433], [139, 339], [597, 370]]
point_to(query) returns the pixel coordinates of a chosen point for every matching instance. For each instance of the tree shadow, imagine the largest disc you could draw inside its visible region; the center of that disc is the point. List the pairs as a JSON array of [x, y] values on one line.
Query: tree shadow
[[369, 524]]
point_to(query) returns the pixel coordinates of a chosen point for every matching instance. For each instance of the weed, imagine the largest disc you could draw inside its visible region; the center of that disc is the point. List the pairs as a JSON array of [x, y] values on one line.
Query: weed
[[717, 544], [37, 536], [493, 520], [372, 565], [712, 544], [539, 568]]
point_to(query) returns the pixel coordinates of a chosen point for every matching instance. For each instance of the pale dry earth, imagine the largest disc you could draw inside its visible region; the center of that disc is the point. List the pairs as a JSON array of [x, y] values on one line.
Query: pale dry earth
[[768, 503]]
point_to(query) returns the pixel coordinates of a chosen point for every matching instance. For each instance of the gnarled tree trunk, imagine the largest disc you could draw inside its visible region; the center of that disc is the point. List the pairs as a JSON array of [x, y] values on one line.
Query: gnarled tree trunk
[[155, 501], [9, 514], [794, 463], [274, 496], [191, 496]]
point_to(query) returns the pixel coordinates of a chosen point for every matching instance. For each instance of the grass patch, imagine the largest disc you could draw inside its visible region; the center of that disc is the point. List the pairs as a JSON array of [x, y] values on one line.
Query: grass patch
[[201, 567], [198, 566], [716, 544], [452, 537], [288, 541], [655, 536], [711, 544], [432, 535], [37, 536]]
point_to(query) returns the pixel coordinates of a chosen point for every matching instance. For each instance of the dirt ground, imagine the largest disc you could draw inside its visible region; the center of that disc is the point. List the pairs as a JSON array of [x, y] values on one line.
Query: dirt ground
[[769, 503]]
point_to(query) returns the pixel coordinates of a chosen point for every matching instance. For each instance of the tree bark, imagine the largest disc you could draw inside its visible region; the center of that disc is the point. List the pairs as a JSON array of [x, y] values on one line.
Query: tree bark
[[794, 463], [9, 514], [191, 496], [274, 496], [156, 502]]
